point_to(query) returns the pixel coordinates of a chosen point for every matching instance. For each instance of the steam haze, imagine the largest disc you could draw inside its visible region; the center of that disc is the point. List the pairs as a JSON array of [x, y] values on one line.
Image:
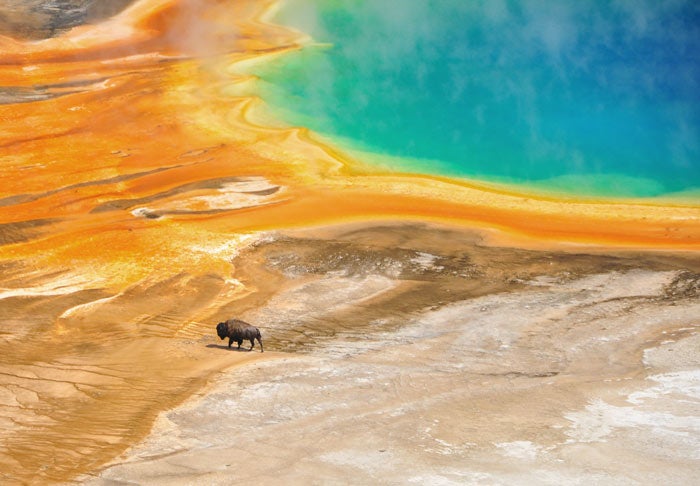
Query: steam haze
[[522, 91]]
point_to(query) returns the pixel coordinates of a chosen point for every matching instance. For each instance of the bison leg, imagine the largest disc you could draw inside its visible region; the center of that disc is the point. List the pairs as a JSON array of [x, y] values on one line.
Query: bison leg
[[261, 346], [240, 341], [230, 341], [252, 344]]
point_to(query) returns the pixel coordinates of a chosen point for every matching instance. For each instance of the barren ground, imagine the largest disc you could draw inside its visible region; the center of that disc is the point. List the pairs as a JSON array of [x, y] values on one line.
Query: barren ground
[[412, 354]]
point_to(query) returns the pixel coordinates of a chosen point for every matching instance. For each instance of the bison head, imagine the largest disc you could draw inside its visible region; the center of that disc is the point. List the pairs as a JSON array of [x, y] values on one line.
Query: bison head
[[222, 330]]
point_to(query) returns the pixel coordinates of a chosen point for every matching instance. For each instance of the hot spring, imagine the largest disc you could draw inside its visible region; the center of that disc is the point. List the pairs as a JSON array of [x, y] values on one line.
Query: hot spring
[[580, 98]]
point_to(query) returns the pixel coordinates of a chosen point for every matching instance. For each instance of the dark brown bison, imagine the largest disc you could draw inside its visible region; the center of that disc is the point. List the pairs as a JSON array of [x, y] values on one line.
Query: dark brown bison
[[239, 331]]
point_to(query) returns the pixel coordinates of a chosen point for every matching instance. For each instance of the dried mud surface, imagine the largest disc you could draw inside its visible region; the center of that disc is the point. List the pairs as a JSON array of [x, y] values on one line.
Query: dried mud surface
[[405, 353]]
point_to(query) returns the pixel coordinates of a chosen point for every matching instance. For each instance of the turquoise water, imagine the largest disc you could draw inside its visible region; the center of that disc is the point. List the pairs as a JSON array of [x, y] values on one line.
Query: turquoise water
[[585, 97]]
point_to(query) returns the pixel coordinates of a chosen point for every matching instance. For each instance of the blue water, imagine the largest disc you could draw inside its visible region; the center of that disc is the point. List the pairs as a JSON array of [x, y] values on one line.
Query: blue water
[[585, 97]]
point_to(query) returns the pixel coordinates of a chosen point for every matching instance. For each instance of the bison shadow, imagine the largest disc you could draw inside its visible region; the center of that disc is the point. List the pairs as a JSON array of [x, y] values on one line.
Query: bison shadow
[[232, 348]]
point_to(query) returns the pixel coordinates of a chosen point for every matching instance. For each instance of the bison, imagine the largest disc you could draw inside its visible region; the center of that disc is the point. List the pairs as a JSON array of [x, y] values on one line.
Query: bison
[[239, 331]]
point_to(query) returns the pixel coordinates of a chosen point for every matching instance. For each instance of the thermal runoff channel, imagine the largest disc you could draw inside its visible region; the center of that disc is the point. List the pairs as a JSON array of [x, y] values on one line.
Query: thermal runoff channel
[[589, 98]]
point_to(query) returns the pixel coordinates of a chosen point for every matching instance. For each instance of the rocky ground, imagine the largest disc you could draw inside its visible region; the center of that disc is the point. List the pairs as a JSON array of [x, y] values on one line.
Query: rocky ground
[[38, 19]]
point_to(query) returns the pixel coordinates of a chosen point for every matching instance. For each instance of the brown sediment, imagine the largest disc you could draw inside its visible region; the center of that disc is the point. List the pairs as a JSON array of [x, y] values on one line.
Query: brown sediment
[[414, 353], [22, 231], [120, 217]]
